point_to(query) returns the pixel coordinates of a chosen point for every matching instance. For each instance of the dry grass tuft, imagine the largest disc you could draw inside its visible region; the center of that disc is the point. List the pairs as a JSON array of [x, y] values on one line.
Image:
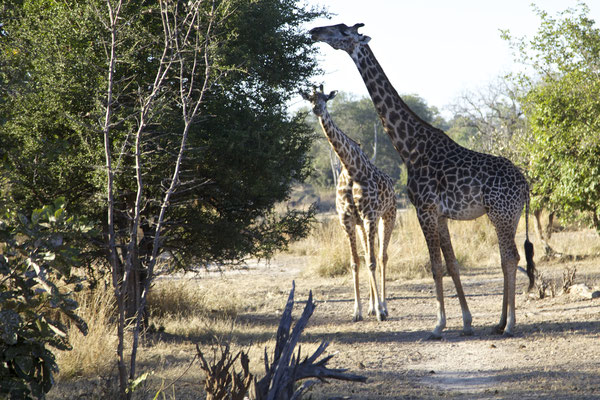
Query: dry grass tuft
[[182, 308], [91, 354], [328, 245], [475, 242], [183, 299]]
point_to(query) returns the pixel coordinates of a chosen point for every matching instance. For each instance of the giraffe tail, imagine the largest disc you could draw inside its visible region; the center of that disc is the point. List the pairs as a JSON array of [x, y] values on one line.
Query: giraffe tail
[[529, 248]]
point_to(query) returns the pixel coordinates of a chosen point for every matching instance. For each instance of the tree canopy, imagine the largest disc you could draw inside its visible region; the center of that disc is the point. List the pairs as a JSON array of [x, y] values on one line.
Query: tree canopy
[[562, 105], [244, 153]]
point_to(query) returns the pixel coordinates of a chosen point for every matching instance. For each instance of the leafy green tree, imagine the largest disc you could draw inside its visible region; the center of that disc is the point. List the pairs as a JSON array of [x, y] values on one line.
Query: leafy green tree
[[38, 258], [243, 155], [164, 123], [563, 109]]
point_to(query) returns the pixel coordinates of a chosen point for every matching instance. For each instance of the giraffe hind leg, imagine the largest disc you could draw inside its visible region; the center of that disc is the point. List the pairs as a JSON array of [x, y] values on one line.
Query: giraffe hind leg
[[509, 256], [510, 259], [386, 226]]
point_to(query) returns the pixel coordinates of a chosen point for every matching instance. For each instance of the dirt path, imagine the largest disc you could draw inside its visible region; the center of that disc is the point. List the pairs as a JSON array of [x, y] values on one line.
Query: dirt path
[[555, 353]]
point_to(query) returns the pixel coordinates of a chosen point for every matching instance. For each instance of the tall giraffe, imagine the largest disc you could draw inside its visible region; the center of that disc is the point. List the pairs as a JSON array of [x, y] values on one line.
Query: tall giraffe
[[365, 198], [445, 180]]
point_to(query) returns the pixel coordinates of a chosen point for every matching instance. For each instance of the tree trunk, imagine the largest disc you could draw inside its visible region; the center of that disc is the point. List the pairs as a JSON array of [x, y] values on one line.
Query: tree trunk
[[544, 234], [550, 225]]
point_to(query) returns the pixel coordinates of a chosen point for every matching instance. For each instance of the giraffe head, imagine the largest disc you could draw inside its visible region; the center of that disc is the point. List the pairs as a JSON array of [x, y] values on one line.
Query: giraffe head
[[318, 99], [340, 36]]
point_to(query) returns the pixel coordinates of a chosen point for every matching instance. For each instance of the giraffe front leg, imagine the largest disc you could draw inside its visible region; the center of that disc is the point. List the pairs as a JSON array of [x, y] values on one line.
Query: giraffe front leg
[[453, 271], [372, 263], [350, 229], [371, 311], [363, 239], [429, 225], [436, 270], [357, 316], [377, 306], [382, 300]]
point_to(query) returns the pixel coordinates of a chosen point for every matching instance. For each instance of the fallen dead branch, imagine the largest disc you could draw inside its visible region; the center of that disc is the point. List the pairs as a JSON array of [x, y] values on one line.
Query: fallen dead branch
[[282, 371]]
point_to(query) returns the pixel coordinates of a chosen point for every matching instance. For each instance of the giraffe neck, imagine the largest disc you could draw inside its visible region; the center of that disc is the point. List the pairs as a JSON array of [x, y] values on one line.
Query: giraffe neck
[[406, 130], [349, 152]]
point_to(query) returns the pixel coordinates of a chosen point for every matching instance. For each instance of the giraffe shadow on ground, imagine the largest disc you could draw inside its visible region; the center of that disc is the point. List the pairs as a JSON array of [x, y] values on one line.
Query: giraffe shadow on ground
[[481, 333], [554, 327], [267, 326]]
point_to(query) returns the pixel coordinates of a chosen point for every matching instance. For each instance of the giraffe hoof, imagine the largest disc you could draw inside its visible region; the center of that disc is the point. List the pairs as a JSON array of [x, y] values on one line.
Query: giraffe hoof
[[508, 334], [357, 318], [468, 332], [498, 330], [371, 312], [381, 317]]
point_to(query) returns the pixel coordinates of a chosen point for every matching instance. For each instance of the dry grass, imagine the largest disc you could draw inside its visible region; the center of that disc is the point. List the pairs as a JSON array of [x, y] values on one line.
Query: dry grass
[[91, 354], [182, 309], [170, 299], [475, 244], [328, 245], [243, 309], [576, 243], [177, 307]]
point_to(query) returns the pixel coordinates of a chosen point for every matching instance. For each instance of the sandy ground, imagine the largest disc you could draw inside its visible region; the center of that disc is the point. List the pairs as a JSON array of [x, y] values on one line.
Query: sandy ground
[[554, 354]]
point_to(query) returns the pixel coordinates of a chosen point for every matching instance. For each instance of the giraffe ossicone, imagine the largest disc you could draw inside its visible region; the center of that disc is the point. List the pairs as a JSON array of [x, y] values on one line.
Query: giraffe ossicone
[[445, 180], [365, 199]]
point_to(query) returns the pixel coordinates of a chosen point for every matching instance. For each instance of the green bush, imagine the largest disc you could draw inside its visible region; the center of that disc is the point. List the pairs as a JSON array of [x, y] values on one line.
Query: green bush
[[36, 286]]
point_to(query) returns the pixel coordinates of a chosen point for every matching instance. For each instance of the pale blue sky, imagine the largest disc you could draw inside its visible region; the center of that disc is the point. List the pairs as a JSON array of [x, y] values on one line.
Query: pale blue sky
[[437, 49]]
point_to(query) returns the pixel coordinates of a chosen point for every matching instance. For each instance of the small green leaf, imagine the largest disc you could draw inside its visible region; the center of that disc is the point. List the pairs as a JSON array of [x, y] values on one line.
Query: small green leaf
[[36, 215], [133, 385]]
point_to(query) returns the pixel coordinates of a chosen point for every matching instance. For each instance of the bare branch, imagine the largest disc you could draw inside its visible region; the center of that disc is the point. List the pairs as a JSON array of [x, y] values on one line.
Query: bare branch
[[285, 369]]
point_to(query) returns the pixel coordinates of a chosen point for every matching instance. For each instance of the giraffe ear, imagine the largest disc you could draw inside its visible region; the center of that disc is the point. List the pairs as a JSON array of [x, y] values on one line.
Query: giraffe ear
[[332, 94], [356, 26], [364, 39]]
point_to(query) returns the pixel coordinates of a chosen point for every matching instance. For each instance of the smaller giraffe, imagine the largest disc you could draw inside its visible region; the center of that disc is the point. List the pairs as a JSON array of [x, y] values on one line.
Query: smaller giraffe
[[365, 198]]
